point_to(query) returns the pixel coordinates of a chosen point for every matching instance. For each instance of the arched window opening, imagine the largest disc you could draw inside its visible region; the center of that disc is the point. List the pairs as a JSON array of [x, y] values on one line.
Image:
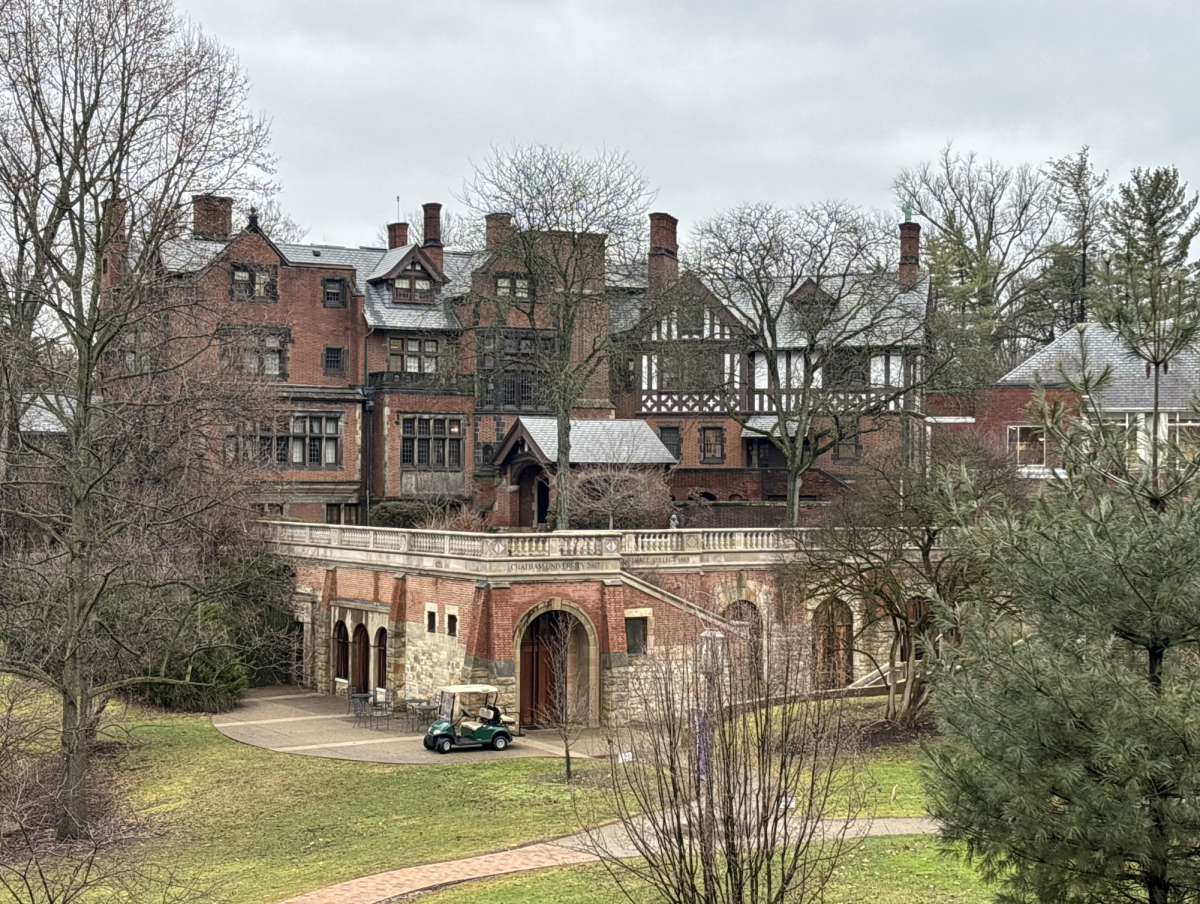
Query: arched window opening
[[381, 669], [341, 652]]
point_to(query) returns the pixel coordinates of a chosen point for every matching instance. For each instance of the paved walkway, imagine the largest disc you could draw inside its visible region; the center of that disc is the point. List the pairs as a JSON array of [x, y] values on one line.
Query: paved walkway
[[570, 851], [386, 886], [294, 720]]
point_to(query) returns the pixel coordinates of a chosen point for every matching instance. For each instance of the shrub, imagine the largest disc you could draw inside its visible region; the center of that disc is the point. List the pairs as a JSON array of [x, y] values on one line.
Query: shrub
[[403, 513]]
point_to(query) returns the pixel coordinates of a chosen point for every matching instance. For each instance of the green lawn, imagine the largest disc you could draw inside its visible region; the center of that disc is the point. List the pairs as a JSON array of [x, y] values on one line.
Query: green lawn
[[897, 870], [893, 781], [265, 825]]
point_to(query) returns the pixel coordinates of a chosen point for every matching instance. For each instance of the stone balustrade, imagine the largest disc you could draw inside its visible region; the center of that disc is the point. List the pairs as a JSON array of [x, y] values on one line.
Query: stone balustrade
[[567, 552]]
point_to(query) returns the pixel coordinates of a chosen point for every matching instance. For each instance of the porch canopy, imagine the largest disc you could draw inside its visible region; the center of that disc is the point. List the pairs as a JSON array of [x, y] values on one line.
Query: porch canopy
[[594, 441]]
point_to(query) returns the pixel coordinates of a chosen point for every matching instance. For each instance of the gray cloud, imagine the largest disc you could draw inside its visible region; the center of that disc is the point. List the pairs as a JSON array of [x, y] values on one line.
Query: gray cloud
[[720, 103]]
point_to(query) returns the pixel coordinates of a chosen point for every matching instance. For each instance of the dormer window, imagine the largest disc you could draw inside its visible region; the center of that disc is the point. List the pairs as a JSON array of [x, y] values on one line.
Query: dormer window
[[413, 288], [512, 286]]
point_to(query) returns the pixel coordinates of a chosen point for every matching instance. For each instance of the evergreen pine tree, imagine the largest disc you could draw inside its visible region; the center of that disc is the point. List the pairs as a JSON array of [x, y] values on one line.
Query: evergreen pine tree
[[1069, 765]]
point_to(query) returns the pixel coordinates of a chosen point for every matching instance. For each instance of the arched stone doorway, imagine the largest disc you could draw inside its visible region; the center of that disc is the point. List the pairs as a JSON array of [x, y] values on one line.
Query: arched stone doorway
[[361, 661], [833, 643], [533, 497], [557, 659]]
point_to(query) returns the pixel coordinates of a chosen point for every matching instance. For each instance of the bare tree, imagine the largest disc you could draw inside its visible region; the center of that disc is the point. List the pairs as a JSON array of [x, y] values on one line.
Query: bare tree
[[117, 475], [881, 549], [825, 344], [38, 868], [992, 227], [739, 781], [565, 711], [570, 218]]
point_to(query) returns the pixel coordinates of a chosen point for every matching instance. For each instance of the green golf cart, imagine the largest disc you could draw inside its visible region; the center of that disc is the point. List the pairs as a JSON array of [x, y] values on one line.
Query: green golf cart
[[468, 716]]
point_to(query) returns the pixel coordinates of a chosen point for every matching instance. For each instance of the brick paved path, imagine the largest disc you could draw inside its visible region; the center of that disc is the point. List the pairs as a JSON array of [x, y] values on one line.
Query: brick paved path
[[574, 849], [386, 886]]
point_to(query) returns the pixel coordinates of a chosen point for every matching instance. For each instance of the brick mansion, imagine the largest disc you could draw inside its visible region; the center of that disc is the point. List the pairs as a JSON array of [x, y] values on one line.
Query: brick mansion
[[394, 388]]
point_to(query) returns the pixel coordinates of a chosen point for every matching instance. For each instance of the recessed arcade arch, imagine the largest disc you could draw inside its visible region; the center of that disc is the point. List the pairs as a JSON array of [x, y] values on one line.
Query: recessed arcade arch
[[531, 658]]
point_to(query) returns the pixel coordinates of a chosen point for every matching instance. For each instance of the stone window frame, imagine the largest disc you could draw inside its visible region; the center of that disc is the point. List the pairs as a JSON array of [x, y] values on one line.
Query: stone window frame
[[452, 613], [675, 448], [711, 459], [423, 434], [432, 609], [258, 283], [333, 293], [338, 368], [648, 614]]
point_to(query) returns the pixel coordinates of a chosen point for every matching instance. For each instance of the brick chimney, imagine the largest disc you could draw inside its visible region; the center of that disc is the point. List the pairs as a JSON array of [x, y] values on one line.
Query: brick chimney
[[910, 254], [397, 235], [499, 225], [112, 262], [663, 265], [433, 232], [212, 216]]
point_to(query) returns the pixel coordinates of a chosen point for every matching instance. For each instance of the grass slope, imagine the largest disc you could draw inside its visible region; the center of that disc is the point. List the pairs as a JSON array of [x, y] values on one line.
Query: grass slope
[[264, 826]]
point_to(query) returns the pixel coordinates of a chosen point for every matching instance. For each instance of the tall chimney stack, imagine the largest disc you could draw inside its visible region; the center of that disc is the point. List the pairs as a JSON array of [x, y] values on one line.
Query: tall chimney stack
[[397, 235], [910, 254], [433, 232], [212, 216], [499, 225], [112, 262], [663, 265]]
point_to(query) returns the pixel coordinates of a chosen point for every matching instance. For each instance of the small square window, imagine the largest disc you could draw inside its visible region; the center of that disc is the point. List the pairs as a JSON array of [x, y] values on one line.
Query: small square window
[[522, 288], [414, 345], [635, 636], [335, 296], [504, 286], [412, 364], [455, 428], [335, 361], [431, 346], [409, 426], [241, 275], [439, 426], [423, 426]]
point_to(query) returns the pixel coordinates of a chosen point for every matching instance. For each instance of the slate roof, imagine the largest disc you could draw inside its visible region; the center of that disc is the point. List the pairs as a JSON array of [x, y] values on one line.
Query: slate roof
[[363, 260], [1129, 388], [597, 441], [190, 255], [42, 416], [874, 311]]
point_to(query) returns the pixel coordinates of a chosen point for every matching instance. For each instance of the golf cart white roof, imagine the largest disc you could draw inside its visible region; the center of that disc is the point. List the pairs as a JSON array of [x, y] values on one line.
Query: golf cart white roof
[[469, 689]]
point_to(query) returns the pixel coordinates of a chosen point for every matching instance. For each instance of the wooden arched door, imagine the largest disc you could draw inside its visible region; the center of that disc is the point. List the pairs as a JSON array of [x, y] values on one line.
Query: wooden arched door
[[361, 665], [833, 637], [341, 651]]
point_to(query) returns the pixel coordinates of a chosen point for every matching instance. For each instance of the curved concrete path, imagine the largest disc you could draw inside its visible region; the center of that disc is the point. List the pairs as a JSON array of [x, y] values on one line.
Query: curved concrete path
[[295, 720]]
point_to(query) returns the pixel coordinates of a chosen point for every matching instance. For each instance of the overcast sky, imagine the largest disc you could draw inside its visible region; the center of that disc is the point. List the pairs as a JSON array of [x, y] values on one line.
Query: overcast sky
[[789, 101]]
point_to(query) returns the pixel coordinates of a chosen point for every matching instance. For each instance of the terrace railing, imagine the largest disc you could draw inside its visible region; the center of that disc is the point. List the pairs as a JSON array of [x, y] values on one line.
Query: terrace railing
[[486, 554]]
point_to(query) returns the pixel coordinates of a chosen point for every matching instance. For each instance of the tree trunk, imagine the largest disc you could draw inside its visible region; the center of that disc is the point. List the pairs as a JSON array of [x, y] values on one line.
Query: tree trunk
[[562, 473], [73, 788], [794, 485], [567, 755]]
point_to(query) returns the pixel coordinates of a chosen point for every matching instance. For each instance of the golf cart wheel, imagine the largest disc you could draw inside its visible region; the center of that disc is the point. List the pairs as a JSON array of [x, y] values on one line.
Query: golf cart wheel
[[499, 742], [428, 742], [444, 745]]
